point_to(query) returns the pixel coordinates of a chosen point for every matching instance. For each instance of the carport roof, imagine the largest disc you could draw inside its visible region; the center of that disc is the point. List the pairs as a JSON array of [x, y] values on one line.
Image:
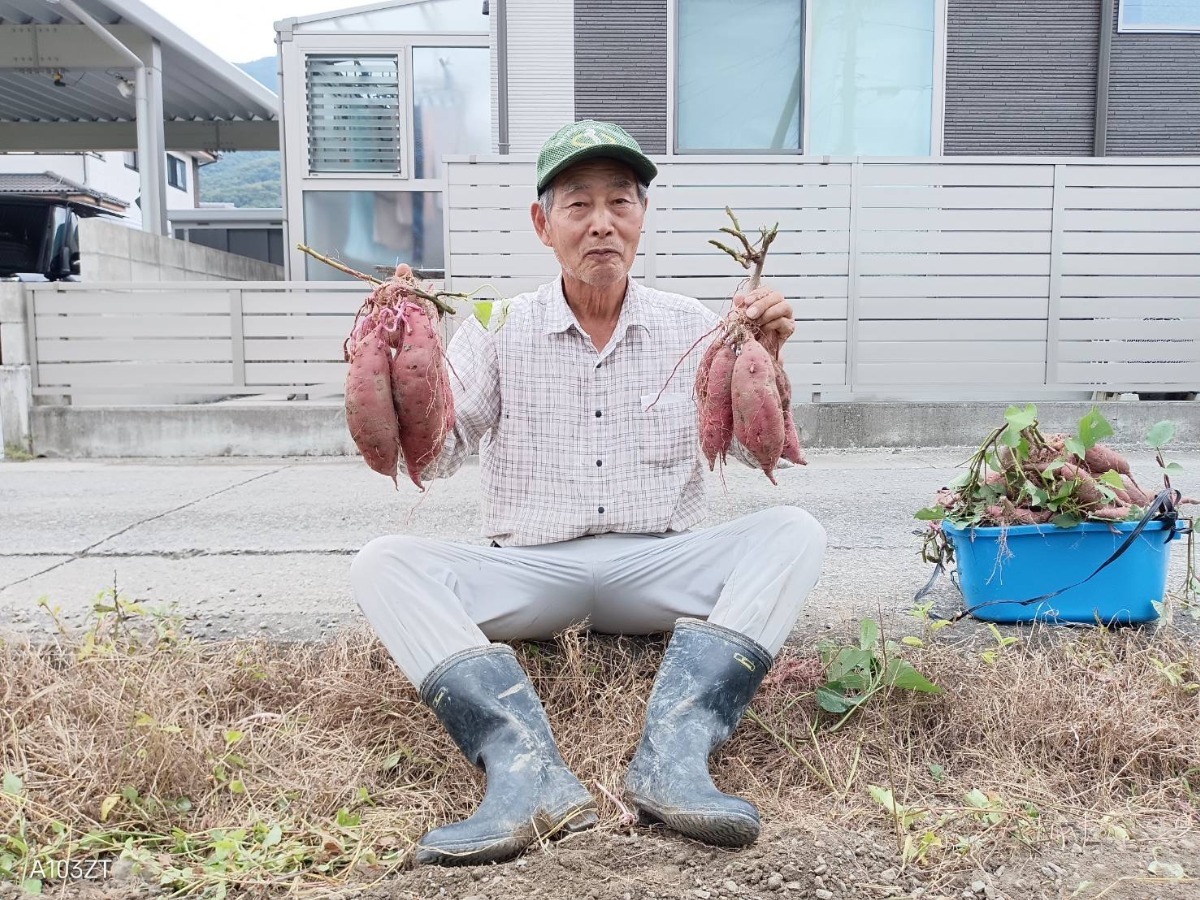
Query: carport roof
[[208, 103]]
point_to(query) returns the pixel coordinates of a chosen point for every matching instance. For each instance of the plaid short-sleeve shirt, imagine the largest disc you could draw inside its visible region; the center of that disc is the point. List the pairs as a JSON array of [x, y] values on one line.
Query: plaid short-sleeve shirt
[[570, 439]]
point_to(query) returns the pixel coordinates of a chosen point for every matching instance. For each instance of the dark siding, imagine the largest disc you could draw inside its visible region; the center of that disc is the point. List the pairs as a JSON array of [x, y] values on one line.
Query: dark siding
[[1021, 76], [621, 67], [1154, 95]]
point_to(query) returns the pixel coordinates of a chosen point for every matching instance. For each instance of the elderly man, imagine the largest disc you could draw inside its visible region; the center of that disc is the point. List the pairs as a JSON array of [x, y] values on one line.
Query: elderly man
[[591, 492]]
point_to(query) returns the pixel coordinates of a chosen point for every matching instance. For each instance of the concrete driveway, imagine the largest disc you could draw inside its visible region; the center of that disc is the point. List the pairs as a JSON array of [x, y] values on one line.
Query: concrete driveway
[[264, 546]]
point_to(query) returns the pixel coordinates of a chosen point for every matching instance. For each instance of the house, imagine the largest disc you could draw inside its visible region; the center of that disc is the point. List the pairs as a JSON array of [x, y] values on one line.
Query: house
[[373, 96], [109, 178]]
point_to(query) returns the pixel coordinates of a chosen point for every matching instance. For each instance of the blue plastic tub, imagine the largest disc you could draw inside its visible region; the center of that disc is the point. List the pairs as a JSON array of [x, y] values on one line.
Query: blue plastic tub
[[1034, 560]]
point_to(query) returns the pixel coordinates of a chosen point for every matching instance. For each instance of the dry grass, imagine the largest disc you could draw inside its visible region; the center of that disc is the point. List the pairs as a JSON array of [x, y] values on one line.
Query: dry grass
[[325, 759]]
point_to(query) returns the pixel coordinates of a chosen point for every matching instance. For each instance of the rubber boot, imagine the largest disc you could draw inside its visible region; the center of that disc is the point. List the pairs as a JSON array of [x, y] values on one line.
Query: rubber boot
[[707, 677], [488, 705]]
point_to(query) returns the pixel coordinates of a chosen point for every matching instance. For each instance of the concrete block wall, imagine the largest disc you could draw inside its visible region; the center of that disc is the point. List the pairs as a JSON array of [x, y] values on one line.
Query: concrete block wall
[[16, 387], [112, 252]]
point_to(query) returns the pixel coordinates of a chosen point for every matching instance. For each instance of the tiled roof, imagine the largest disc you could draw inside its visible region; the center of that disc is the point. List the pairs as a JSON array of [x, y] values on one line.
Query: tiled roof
[[48, 183]]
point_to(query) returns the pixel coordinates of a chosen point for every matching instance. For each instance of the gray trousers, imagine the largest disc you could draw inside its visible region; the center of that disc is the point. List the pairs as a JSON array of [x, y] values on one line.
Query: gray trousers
[[428, 599]]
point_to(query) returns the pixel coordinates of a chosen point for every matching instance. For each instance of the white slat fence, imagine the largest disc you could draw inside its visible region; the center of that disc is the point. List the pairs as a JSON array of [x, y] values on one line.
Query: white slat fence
[[955, 277]]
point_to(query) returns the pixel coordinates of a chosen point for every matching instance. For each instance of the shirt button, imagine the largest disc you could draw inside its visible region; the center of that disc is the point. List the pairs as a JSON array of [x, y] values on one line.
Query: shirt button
[[600, 509], [599, 462], [598, 414]]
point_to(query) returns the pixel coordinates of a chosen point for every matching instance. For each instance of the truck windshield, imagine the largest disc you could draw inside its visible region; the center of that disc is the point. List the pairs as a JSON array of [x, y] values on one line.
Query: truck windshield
[[22, 234]]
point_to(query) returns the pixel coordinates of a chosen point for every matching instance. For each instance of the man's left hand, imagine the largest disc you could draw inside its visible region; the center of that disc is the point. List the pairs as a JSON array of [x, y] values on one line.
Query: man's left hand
[[769, 309]]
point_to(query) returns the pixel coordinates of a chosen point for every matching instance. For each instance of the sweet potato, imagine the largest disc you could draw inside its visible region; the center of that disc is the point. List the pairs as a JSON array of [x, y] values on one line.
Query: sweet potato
[[757, 411], [1114, 512], [703, 371], [1086, 491], [1101, 459], [716, 409], [419, 389], [370, 413], [1133, 490], [792, 451]]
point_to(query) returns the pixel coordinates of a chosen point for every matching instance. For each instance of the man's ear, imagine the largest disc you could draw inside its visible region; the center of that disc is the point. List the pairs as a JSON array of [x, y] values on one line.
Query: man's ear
[[540, 225]]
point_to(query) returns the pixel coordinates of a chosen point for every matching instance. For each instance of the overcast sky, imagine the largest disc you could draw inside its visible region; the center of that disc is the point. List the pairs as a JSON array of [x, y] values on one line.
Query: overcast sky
[[240, 30]]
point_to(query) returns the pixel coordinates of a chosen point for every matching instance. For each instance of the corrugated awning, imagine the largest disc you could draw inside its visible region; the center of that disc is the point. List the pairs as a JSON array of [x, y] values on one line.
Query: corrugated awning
[[61, 87]]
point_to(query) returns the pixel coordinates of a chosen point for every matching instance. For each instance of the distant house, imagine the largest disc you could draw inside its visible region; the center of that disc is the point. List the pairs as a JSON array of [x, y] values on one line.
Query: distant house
[[106, 179], [374, 96]]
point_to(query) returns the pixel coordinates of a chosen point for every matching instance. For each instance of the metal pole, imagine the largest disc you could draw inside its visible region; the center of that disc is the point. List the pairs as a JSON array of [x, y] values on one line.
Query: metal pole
[[502, 75], [1100, 141], [148, 86]]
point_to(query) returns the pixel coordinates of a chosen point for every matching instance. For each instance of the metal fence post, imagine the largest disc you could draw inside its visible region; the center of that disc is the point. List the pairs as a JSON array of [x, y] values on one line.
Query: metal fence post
[[1054, 286]]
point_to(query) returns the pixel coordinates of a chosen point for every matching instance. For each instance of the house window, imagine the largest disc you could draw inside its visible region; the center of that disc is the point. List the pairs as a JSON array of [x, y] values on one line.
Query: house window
[[451, 105], [871, 77], [738, 75], [131, 160], [354, 114], [176, 172], [1159, 15], [371, 228]]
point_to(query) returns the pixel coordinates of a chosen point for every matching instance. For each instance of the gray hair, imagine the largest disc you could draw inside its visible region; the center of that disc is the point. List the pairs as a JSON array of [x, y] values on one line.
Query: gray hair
[[546, 197]]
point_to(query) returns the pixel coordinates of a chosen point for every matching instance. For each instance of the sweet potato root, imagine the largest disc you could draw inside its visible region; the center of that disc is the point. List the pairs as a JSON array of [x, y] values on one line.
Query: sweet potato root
[[419, 389], [716, 410], [757, 413], [370, 414], [792, 451]]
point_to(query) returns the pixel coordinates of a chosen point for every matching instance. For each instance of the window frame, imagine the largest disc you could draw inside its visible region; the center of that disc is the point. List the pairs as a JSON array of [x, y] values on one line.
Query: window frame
[[172, 162], [403, 59], [673, 92], [1125, 28], [938, 100]]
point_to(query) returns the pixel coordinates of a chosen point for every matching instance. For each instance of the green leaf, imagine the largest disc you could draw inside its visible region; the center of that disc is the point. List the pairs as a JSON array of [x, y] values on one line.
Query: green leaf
[[868, 634], [1160, 433], [1066, 520], [232, 737], [1172, 468], [912, 641], [938, 772], [1019, 418], [12, 784], [1112, 479], [483, 312], [273, 836], [347, 819], [1093, 428], [107, 805], [237, 786], [1166, 869], [1010, 437], [978, 799], [832, 701], [900, 673], [847, 660], [32, 885], [1075, 446], [931, 514]]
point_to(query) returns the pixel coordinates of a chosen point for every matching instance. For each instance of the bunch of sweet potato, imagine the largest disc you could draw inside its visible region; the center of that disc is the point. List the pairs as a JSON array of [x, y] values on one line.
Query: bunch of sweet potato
[[1092, 482], [398, 394], [743, 392]]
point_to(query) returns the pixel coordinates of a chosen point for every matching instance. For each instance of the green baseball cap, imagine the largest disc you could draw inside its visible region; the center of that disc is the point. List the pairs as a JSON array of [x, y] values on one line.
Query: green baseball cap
[[587, 140]]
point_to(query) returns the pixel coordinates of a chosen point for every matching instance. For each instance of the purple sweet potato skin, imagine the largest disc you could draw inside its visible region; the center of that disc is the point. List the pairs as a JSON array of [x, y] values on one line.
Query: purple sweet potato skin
[[758, 418], [716, 408], [419, 389], [792, 451], [370, 412]]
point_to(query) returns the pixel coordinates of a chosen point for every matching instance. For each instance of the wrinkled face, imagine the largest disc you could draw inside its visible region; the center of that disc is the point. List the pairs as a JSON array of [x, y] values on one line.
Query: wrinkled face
[[595, 223]]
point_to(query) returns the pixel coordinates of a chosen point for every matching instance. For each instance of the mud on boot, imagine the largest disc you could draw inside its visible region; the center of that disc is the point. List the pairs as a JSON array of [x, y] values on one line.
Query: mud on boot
[[707, 678], [488, 705]]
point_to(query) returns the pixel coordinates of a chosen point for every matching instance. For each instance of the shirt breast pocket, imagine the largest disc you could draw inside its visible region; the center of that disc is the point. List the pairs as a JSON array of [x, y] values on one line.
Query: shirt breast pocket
[[667, 430]]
